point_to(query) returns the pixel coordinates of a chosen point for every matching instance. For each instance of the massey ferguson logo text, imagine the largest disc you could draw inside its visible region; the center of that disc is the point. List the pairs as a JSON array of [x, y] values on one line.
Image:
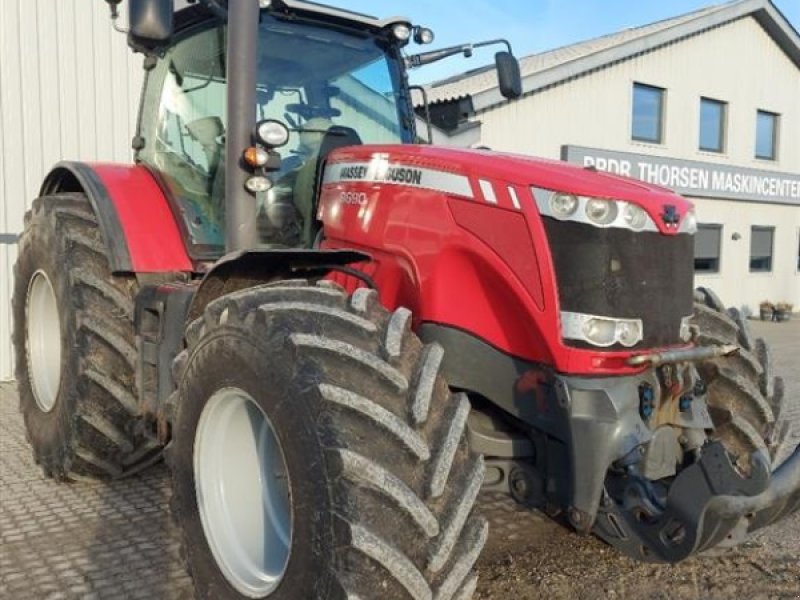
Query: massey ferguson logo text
[[380, 170], [391, 174]]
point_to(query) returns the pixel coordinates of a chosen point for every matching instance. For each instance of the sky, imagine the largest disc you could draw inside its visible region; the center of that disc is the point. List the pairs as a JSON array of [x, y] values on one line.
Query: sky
[[530, 25]]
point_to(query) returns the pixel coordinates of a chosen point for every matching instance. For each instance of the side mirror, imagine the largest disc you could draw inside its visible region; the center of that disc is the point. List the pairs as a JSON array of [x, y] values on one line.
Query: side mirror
[[150, 21], [508, 75]]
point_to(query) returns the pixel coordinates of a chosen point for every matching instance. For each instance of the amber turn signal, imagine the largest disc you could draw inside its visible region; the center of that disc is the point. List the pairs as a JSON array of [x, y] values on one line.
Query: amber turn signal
[[256, 157]]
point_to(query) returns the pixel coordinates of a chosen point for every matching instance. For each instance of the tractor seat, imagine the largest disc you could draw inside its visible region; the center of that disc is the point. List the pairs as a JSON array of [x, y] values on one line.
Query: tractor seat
[[310, 176]]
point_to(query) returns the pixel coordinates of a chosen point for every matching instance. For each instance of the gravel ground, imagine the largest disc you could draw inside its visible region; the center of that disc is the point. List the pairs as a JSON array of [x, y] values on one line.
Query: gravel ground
[[117, 541]]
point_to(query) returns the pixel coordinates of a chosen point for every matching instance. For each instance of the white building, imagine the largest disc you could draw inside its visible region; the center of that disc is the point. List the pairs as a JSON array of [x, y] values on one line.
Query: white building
[[69, 88], [706, 103]]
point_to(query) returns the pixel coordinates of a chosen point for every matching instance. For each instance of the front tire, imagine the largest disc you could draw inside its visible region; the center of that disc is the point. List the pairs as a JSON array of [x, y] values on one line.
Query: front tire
[[380, 482], [747, 401], [75, 347], [750, 410]]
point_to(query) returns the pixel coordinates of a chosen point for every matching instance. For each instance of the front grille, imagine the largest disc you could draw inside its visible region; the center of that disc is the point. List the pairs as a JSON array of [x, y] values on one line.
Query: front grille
[[620, 273]]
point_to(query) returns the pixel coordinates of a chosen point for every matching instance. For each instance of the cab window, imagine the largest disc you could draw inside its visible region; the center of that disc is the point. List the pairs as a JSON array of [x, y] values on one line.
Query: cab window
[[329, 87], [185, 140]]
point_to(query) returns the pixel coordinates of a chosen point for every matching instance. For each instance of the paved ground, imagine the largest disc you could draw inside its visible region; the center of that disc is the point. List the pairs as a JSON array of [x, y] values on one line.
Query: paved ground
[[83, 540], [117, 540]]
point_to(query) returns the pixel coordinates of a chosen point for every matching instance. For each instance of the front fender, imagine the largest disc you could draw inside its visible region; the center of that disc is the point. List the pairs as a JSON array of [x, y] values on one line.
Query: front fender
[[139, 229], [250, 268]]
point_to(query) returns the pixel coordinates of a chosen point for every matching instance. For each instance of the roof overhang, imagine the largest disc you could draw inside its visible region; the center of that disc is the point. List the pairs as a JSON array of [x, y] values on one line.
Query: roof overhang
[[778, 27]]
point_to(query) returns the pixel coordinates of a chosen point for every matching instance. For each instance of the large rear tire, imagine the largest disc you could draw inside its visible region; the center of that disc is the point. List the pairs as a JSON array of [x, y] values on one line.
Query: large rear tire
[[364, 482], [746, 400], [75, 347]]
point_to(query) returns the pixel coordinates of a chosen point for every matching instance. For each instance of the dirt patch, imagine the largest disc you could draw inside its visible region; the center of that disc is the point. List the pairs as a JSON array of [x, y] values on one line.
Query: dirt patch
[[560, 564]]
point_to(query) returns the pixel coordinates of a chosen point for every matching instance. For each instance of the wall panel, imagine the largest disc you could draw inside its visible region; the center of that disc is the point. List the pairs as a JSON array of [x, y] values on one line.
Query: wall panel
[[69, 89]]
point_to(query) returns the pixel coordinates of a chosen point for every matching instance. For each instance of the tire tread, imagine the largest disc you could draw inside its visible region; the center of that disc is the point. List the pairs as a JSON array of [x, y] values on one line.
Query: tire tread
[[741, 388], [406, 480], [101, 425]]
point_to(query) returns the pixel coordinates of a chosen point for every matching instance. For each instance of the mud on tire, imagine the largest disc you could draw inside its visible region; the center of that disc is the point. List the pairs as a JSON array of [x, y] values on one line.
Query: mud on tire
[[92, 429], [381, 480], [746, 400]]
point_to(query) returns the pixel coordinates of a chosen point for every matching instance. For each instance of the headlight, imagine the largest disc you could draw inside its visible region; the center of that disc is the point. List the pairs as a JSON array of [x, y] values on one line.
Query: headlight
[[689, 224], [597, 212], [602, 212], [563, 206], [601, 331], [629, 333], [635, 217]]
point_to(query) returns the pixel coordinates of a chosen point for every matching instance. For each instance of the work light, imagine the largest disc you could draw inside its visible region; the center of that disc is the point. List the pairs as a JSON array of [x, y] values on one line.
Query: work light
[[401, 31], [272, 133]]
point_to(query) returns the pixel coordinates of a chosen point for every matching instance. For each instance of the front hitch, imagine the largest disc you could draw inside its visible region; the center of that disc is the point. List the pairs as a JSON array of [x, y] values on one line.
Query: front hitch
[[654, 499], [707, 502], [684, 355]]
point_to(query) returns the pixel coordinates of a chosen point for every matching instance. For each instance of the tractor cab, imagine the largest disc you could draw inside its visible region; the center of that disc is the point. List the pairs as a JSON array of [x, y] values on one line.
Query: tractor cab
[[330, 87], [319, 78]]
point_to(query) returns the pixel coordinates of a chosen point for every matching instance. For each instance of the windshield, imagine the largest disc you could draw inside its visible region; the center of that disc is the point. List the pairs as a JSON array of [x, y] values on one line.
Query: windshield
[[315, 79], [307, 72]]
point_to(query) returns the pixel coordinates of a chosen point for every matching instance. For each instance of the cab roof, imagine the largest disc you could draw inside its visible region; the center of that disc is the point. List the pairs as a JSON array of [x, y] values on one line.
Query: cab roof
[[194, 12]]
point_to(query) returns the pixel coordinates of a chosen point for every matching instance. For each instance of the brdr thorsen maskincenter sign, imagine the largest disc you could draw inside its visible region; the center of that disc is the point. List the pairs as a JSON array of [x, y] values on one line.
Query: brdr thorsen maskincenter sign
[[692, 178]]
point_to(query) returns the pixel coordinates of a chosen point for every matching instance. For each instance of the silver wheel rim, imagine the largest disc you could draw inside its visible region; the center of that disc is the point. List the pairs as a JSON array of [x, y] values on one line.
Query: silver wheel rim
[[43, 333], [243, 494]]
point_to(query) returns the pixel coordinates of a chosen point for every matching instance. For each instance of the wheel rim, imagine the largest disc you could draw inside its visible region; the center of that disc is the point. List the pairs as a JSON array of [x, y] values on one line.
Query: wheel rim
[[243, 492], [43, 332]]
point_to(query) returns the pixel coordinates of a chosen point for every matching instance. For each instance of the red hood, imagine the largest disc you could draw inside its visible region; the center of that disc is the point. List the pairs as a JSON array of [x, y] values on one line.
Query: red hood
[[523, 170]]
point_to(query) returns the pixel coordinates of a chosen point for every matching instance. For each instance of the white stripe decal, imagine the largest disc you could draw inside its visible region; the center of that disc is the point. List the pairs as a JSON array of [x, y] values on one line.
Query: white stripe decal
[[380, 170], [514, 198], [488, 191]]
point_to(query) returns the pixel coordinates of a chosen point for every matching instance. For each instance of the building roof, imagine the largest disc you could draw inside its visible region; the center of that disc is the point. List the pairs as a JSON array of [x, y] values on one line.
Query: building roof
[[555, 66]]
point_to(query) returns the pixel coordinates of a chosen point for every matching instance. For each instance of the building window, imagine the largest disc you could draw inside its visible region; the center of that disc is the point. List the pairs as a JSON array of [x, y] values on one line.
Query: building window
[[766, 135], [713, 114], [761, 249], [648, 113], [707, 248]]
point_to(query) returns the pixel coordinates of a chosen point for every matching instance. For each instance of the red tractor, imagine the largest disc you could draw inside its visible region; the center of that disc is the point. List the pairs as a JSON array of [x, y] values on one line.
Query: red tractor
[[338, 337]]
